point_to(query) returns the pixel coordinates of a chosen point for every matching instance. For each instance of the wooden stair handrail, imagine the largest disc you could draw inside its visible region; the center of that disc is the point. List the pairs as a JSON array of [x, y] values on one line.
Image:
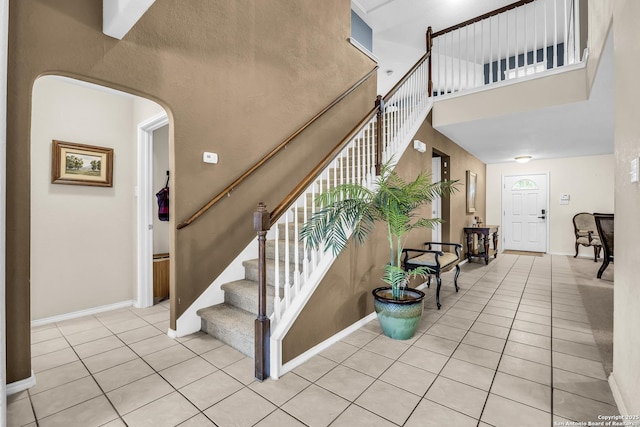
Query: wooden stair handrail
[[406, 76], [273, 152], [307, 180], [482, 17], [286, 203]]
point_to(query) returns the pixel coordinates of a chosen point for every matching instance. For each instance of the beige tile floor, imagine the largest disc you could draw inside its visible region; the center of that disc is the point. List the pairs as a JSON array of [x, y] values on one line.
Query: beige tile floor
[[512, 348]]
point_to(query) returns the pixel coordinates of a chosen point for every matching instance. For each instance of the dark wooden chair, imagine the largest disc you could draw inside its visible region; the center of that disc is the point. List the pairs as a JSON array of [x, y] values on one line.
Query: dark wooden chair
[[584, 227], [437, 261], [604, 224]]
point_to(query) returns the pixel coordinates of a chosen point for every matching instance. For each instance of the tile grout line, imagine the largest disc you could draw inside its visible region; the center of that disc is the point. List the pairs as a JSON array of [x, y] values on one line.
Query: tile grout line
[[156, 372], [91, 374], [507, 338], [378, 378], [457, 346]]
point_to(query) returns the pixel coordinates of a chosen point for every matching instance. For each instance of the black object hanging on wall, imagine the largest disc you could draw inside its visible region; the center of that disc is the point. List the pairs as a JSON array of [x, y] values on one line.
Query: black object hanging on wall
[[163, 201]]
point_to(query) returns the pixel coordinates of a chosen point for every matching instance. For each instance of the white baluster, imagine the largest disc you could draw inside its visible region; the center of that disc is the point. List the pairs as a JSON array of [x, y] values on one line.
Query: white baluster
[[546, 33], [276, 302], [499, 72], [526, 45], [517, 46], [535, 34], [459, 57], [565, 22], [305, 259], [484, 80], [554, 58], [296, 250], [577, 55], [287, 287]]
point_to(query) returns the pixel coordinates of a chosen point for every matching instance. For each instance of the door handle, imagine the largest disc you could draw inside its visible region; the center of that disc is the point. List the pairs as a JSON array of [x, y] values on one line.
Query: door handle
[[542, 217]]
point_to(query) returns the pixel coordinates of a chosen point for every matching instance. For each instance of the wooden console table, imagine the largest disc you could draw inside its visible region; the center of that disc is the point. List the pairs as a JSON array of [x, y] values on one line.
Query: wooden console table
[[482, 250]]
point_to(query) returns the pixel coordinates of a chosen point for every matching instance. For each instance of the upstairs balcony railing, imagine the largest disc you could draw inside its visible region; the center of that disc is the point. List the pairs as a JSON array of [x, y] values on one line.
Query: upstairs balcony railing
[[515, 41]]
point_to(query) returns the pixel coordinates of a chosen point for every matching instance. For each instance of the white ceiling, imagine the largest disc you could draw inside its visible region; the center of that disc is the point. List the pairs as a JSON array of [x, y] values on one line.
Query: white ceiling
[[570, 130]]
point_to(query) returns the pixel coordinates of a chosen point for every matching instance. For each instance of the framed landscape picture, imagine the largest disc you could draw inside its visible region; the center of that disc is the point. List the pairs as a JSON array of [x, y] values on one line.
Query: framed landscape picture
[[79, 164], [471, 191]]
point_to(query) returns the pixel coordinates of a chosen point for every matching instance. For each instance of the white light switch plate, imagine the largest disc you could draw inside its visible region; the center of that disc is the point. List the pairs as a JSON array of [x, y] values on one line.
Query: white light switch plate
[[634, 170], [209, 157]]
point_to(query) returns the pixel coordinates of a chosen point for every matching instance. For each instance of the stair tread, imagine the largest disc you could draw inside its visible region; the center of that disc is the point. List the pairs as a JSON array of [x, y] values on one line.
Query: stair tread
[[254, 262], [245, 286], [230, 317]]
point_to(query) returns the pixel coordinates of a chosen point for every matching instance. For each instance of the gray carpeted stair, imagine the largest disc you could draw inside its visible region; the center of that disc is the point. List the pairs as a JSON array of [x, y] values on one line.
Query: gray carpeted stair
[[232, 322], [230, 325]]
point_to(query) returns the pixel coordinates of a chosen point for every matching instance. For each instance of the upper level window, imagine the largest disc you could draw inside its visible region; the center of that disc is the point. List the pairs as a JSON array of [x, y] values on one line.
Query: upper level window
[[361, 32], [524, 184]]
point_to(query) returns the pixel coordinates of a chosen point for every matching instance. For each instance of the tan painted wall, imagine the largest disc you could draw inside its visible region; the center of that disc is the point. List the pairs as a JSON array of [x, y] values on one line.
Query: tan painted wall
[[626, 315], [236, 77], [344, 296], [588, 180]]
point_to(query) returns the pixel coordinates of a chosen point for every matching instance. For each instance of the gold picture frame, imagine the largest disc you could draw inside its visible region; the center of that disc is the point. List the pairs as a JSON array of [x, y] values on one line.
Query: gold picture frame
[[472, 180], [80, 164]]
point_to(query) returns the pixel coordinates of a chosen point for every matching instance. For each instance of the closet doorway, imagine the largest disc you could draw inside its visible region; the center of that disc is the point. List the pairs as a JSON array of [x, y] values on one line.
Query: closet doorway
[[154, 234]]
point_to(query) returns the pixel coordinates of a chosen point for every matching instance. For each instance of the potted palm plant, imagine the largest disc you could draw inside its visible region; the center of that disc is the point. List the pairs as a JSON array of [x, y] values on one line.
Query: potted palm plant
[[356, 209]]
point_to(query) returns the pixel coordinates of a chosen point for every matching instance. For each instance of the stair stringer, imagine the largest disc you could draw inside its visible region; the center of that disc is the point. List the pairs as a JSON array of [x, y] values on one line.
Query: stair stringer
[[280, 330]]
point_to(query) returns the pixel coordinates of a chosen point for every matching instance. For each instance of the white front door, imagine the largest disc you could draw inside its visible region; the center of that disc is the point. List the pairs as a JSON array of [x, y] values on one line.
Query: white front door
[[436, 204], [525, 212]]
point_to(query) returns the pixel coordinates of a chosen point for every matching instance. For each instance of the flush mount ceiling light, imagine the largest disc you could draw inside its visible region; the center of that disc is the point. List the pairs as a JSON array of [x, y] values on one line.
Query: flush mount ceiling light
[[522, 159], [389, 72]]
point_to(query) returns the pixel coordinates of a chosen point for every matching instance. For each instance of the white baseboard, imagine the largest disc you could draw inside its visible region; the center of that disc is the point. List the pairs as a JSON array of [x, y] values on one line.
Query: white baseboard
[[18, 386], [317, 349], [617, 396], [172, 333], [81, 313]]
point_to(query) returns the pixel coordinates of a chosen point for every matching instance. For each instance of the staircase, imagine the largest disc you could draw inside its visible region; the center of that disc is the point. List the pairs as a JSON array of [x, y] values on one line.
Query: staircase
[[232, 321], [292, 272]]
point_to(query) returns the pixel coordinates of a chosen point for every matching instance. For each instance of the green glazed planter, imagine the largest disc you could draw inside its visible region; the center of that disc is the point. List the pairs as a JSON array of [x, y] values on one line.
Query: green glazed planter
[[399, 318]]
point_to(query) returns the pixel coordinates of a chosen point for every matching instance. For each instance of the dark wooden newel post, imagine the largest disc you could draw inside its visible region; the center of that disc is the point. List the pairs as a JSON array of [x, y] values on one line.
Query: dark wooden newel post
[[379, 124], [261, 220]]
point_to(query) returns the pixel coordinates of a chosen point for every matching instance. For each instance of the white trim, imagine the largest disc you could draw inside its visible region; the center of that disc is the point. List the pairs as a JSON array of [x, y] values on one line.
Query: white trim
[[363, 49], [144, 275], [18, 386], [294, 363], [189, 321], [286, 322], [4, 45], [120, 16], [617, 396], [81, 313], [172, 334], [359, 9]]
